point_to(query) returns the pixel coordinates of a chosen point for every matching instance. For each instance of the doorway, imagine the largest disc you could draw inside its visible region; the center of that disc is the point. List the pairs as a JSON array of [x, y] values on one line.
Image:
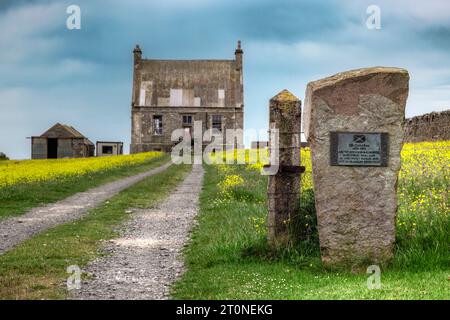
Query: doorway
[[52, 148]]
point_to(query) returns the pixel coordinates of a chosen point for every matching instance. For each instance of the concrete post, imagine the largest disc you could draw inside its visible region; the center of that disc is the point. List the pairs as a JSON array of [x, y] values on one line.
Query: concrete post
[[284, 187]]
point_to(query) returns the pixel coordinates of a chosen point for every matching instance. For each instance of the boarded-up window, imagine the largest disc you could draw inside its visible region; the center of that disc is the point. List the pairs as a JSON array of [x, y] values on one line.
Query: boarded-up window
[[221, 97], [182, 98], [176, 97], [197, 102], [142, 97], [188, 98], [145, 93]]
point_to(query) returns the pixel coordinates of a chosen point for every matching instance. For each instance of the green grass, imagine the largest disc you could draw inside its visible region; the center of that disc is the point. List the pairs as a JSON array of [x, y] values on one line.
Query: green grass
[[263, 280], [36, 269], [229, 258], [16, 200]]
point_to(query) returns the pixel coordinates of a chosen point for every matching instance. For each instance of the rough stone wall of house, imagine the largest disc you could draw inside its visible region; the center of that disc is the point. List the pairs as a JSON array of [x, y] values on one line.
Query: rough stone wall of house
[[433, 126], [175, 88]]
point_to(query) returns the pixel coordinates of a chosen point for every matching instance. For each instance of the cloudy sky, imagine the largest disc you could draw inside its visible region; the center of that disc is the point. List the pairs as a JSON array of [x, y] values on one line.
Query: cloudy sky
[[50, 74]]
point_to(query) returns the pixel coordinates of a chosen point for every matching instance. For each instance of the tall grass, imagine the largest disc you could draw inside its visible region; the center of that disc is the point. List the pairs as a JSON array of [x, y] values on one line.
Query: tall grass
[[423, 219]]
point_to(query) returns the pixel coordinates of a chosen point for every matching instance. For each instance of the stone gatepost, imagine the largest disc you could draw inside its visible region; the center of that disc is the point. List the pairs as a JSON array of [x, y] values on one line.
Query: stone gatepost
[[354, 125], [284, 186]]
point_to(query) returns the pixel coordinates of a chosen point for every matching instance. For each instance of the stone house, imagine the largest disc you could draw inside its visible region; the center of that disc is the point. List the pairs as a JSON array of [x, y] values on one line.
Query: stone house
[[172, 94], [61, 141]]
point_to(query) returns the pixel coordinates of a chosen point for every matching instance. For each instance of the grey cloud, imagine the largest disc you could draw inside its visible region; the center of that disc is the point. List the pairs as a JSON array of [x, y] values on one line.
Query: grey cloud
[[83, 77]]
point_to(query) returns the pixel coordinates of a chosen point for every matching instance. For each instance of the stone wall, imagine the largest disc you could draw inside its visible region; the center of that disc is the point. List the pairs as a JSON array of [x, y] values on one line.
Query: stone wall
[[428, 127]]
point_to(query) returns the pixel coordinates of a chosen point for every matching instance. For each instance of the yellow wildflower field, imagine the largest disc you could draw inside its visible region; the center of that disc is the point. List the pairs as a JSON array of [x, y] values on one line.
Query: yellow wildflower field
[[419, 160], [29, 171], [424, 178]]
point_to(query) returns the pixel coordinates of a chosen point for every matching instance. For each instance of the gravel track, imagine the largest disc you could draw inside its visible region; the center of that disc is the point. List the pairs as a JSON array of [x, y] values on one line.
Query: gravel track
[[145, 260], [17, 229]]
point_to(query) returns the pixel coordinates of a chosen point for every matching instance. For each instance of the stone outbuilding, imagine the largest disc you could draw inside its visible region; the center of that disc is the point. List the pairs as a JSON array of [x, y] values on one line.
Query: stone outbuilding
[[61, 141], [109, 148]]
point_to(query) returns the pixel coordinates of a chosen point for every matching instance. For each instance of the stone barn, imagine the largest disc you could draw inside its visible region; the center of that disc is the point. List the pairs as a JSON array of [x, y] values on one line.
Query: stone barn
[[172, 94], [61, 141]]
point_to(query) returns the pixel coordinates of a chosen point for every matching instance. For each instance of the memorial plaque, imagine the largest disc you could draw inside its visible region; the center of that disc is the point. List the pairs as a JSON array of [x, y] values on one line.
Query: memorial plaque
[[358, 149]]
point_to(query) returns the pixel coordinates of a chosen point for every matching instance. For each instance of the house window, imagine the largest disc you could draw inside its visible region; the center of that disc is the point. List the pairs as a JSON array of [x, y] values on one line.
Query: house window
[[157, 125], [187, 120], [217, 122]]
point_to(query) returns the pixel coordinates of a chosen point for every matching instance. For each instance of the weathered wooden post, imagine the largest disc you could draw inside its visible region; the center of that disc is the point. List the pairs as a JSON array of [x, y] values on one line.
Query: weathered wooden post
[[354, 124], [284, 185]]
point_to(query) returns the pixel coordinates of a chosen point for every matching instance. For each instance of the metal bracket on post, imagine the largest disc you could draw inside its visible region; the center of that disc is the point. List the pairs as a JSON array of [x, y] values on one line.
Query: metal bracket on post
[[288, 169]]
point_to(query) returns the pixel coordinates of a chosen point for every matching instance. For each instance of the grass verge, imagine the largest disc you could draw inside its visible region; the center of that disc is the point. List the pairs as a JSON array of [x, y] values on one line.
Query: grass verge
[[18, 199], [36, 269], [228, 257]]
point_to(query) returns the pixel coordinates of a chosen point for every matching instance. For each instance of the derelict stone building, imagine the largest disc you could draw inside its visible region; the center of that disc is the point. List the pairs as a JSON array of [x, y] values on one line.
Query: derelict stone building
[[172, 94], [61, 141]]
